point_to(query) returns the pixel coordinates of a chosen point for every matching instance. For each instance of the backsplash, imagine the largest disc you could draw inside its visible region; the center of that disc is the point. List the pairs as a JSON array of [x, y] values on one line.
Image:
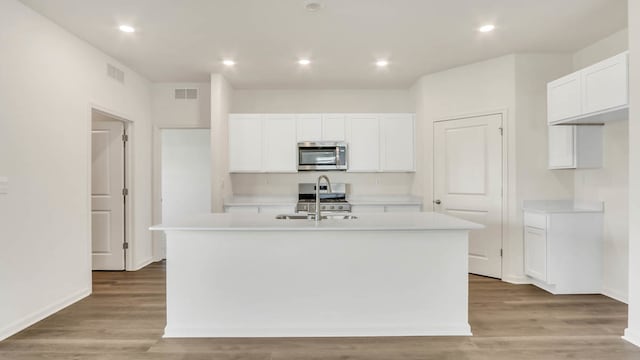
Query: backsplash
[[287, 184]]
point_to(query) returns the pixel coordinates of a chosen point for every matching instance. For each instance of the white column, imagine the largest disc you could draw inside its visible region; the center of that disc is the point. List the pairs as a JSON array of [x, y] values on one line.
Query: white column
[[632, 333]]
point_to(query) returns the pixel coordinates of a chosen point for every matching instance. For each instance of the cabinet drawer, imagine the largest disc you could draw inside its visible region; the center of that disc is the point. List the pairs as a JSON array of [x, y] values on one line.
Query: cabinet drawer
[[535, 220]]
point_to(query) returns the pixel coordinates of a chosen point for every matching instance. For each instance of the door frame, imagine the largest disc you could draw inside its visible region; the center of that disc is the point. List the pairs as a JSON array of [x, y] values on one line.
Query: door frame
[[128, 183], [506, 189]]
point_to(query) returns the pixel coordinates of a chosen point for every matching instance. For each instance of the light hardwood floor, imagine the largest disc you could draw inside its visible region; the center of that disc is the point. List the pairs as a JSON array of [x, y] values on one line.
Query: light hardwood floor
[[124, 319]]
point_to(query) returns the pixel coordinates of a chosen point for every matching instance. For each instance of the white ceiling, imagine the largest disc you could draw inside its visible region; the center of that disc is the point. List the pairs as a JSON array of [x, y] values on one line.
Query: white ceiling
[[185, 40]]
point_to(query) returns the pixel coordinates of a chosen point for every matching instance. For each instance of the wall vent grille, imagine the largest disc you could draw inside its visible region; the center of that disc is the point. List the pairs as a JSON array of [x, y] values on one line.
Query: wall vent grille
[[115, 73], [186, 94]]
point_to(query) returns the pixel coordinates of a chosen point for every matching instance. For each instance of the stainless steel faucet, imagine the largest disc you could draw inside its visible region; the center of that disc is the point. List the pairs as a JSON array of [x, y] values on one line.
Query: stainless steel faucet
[[318, 215]]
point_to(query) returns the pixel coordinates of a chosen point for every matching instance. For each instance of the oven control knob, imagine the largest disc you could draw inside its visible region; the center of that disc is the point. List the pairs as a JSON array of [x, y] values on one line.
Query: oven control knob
[[340, 207], [332, 207]]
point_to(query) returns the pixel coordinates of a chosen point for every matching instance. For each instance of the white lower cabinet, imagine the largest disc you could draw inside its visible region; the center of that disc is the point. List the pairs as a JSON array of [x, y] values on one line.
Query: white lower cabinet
[[262, 209], [386, 208], [563, 251]]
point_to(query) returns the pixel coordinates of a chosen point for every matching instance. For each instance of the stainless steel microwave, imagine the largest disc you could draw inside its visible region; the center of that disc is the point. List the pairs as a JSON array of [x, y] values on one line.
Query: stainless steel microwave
[[322, 155]]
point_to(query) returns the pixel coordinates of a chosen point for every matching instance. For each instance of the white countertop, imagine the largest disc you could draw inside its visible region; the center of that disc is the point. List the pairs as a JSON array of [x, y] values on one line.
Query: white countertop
[[364, 222], [562, 206], [246, 200]]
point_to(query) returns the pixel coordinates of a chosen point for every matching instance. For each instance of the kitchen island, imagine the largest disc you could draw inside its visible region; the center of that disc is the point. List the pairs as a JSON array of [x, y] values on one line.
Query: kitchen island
[[382, 274]]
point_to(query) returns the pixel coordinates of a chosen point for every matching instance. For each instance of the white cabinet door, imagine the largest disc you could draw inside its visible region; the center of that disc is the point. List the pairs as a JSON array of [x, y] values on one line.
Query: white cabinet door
[[605, 85], [245, 143], [564, 98], [397, 143], [535, 253], [333, 127], [279, 143], [309, 127], [363, 137], [562, 148]]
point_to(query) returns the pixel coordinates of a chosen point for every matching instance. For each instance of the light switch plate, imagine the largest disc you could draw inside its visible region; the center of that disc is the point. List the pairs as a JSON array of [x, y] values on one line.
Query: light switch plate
[[4, 185]]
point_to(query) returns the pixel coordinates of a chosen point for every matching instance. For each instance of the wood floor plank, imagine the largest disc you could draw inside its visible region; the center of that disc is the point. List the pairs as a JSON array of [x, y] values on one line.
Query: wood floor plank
[[124, 318]]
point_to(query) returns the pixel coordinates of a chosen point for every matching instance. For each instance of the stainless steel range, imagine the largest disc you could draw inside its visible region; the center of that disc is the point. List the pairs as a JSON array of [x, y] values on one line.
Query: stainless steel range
[[336, 201]]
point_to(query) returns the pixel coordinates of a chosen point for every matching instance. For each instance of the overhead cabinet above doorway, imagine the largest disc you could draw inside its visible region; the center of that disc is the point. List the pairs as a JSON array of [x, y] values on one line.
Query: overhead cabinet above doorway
[[267, 143]]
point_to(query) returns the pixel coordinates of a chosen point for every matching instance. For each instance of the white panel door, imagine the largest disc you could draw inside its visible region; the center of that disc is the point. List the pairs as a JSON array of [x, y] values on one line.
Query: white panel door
[[245, 143], [564, 98], [363, 138], [397, 147], [279, 143], [468, 184], [333, 127], [605, 85], [107, 199], [309, 127], [186, 175]]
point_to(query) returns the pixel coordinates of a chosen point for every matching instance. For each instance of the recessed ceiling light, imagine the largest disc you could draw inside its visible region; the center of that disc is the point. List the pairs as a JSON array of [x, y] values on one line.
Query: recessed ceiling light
[[382, 63], [312, 5], [486, 28], [304, 62], [228, 63], [127, 28]]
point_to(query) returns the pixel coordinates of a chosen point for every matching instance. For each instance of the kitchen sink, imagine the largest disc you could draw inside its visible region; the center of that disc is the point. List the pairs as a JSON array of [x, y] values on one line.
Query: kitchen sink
[[312, 217]]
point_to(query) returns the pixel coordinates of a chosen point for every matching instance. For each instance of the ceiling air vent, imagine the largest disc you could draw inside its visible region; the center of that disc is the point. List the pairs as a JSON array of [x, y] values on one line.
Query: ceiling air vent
[[188, 94], [115, 73]]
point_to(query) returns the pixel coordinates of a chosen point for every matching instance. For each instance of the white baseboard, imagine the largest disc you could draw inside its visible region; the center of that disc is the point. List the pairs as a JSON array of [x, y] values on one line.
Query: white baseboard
[[616, 295], [517, 280], [36, 316], [632, 337], [142, 264], [444, 330]]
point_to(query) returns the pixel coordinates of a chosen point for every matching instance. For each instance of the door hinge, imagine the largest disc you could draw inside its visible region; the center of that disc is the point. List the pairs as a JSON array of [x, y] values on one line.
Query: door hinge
[[501, 131], [125, 137], [500, 252], [125, 192], [125, 245]]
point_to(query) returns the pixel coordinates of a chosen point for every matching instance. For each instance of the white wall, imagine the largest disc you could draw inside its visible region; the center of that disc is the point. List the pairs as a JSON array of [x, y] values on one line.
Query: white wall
[[632, 333], [221, 185], [609, 183], [516, 86], [170, 113], [49, 79], [322, 101]]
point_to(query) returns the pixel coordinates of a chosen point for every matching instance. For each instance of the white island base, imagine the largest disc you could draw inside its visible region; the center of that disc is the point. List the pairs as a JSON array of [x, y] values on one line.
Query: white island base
[[240, 275]]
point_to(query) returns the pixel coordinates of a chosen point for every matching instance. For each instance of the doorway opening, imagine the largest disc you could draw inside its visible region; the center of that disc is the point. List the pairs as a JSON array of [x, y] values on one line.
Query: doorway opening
[[185, 179], [109, 192]]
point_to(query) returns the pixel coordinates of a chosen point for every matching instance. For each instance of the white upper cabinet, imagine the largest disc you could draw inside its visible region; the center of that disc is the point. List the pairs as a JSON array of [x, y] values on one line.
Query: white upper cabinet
[[262, 143], [309, 127], [575, 147], [245, 143], [595, 94], [267, 143], [605, 85], [279, 143], [564, 98], [397, 146], [363, 139], [333, 127], [320, 127]]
